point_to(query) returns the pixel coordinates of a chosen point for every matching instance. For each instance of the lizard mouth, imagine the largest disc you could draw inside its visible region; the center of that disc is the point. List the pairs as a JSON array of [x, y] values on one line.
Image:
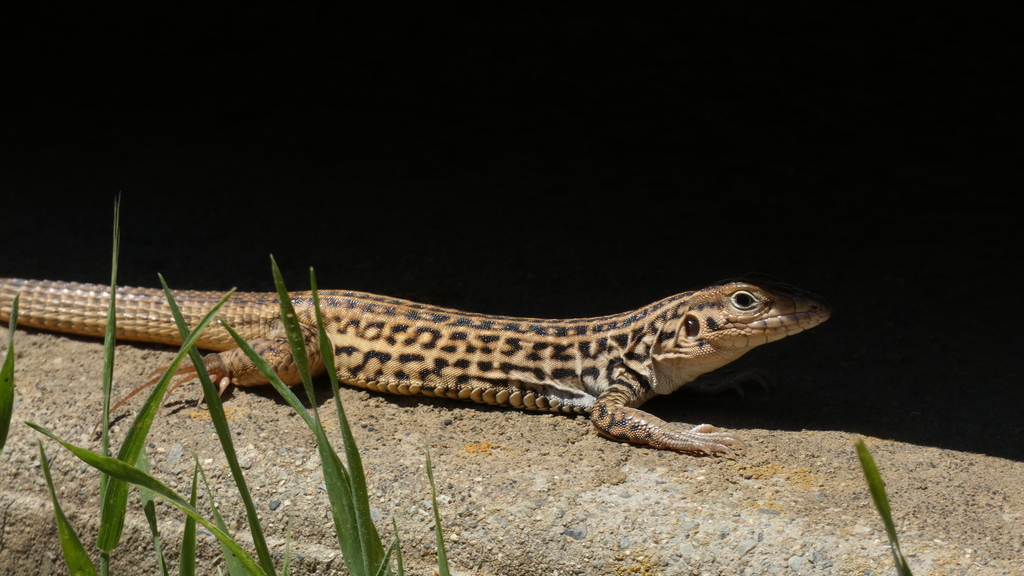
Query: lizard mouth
[[808, 312], [790, 315]]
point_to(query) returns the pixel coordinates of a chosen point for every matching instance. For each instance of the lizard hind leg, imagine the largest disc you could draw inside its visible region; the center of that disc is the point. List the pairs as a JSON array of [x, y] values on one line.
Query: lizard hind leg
[[215, 367], [234, 367]]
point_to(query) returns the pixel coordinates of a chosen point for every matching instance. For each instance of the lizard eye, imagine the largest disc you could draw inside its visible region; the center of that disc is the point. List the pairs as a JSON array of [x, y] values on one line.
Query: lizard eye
[[743, 300], [692, 326]]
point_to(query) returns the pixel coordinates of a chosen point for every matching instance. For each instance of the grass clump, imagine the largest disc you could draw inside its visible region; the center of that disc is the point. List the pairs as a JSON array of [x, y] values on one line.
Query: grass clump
[[357, 536]]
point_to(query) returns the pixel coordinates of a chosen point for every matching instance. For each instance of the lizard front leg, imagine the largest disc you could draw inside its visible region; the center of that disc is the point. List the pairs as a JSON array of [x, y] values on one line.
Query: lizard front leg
[[615, 415]]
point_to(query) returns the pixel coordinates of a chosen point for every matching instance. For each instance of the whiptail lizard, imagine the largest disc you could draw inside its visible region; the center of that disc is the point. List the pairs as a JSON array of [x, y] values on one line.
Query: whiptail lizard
[[606, 366]]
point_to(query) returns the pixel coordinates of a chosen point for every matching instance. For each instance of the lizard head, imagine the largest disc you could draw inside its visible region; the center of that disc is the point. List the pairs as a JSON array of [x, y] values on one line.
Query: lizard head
[[722, 322]]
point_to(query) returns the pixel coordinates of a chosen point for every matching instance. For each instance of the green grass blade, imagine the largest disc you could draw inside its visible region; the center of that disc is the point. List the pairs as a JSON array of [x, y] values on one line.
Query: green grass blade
[[287, 561], [131, 475], [335, 475], [373, 549], [399, 566], [109, 339], [149, 509], [385, 566], [108, 382], [187, 558], [232, 563], [442, 554], [220, 425], [877, 487], [7, 378], [346, 524], [292, 329], [77, 560], [395, 549], [115, 497]]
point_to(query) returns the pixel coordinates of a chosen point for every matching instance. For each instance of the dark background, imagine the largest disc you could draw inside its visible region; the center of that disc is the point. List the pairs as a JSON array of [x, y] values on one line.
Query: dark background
[[574, 162]]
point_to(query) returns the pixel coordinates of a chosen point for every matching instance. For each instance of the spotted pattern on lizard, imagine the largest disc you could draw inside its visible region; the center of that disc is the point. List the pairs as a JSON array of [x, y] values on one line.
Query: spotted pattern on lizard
[[606, 366]]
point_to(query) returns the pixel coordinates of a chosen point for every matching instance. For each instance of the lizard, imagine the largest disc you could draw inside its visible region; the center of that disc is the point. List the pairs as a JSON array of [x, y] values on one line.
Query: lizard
[[605, 366]]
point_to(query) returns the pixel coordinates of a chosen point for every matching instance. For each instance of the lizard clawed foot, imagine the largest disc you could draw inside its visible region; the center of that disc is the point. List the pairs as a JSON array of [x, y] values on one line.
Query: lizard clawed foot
[[633, 425], [703, 438]]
